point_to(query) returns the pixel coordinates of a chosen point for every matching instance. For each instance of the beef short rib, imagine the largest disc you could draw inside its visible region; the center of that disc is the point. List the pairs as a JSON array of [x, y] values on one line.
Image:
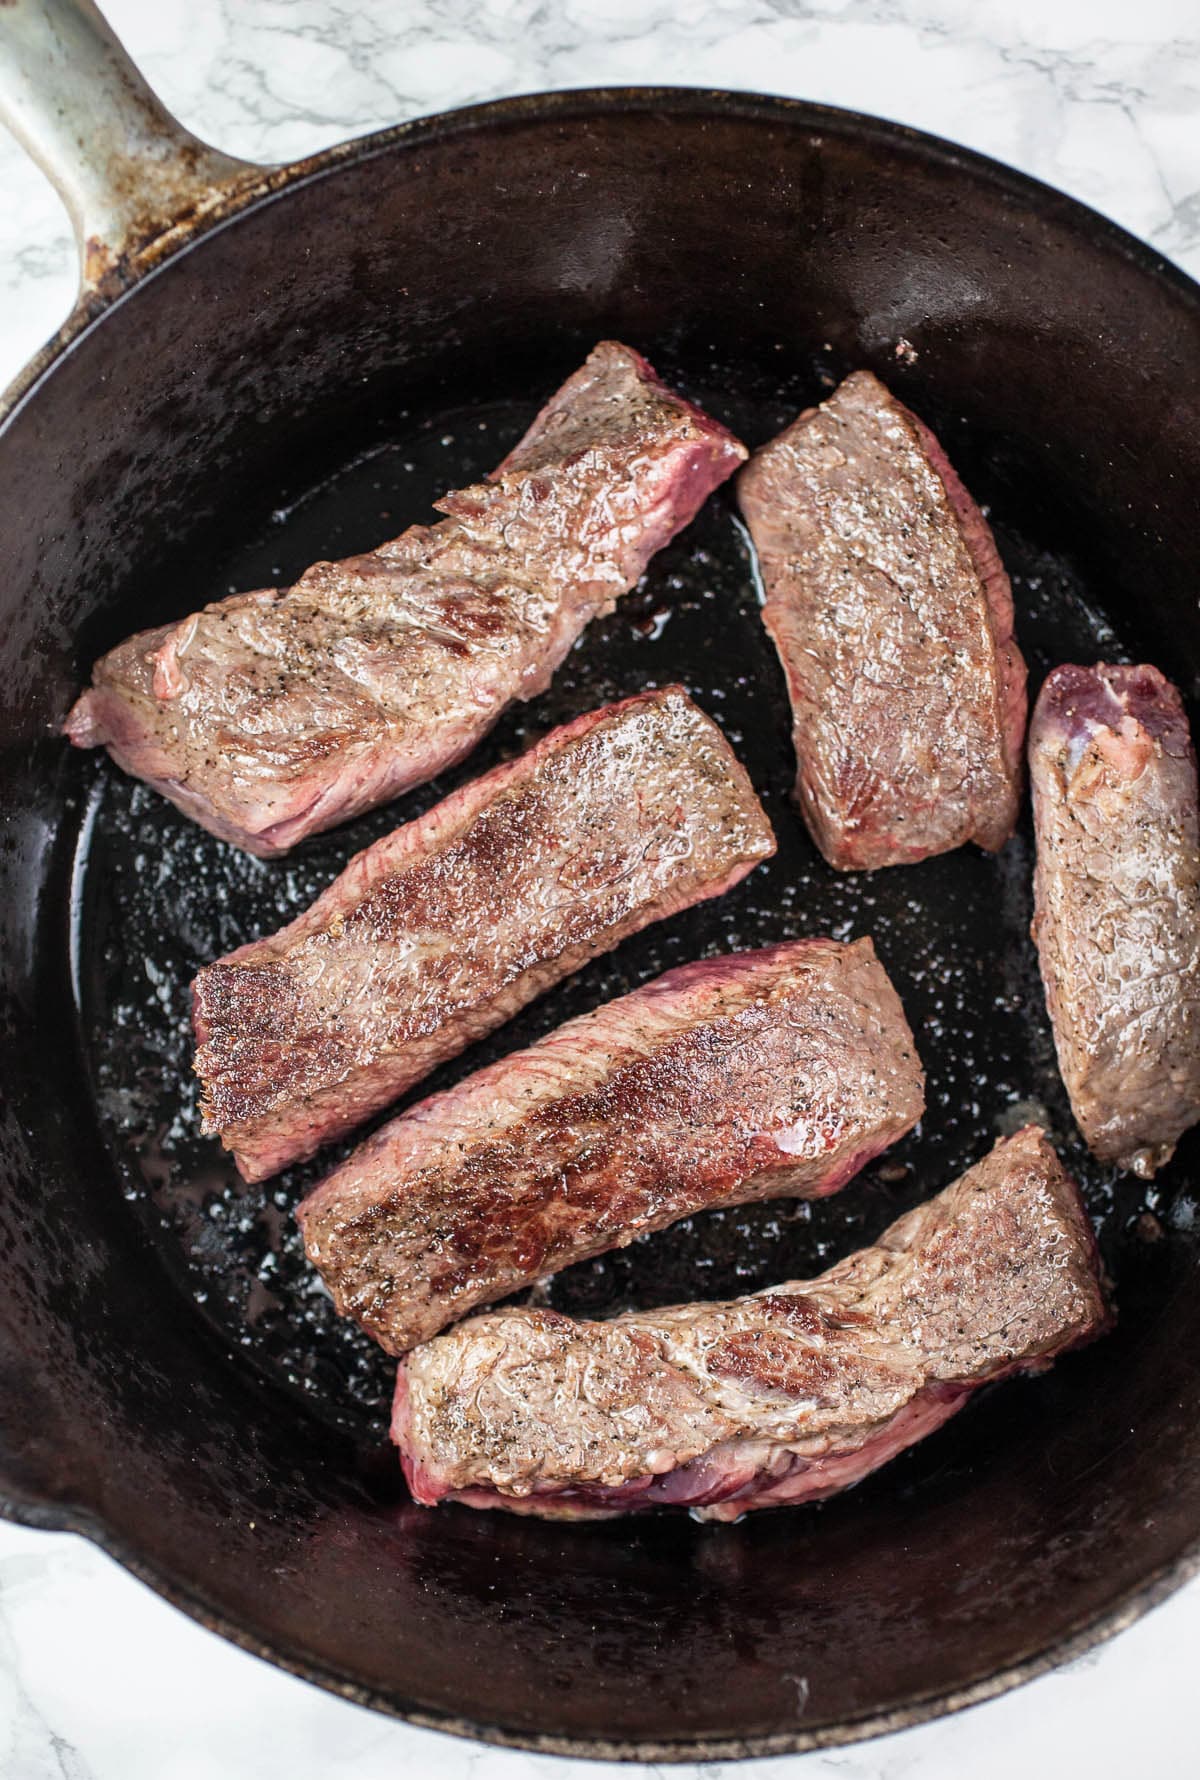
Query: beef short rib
[[1117, 905], [785, 1396], [748, 1077], [893, 618], [442, 930], [275, 714]]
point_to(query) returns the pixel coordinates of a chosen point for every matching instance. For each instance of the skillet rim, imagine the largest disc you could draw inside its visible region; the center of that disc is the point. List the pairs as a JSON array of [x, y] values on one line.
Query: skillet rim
[[92, 307], [1030, 195]]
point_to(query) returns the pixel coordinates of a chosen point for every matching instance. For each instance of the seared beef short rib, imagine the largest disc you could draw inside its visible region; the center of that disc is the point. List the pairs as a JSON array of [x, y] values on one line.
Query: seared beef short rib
[[782, 1397], [893, 618], [275, 714], [1117, 905], [439, 932], [767, 1073]]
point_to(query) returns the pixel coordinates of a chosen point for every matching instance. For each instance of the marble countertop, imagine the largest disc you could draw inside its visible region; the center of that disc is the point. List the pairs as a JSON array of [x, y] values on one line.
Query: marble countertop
[[101, 1680]]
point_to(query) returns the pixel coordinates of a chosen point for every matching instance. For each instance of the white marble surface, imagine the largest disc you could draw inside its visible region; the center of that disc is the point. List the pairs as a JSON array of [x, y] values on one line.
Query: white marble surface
[[99, 1679]]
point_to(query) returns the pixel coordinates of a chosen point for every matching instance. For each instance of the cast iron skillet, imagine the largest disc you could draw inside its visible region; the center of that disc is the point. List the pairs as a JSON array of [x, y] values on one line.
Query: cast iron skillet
[[291, 368]]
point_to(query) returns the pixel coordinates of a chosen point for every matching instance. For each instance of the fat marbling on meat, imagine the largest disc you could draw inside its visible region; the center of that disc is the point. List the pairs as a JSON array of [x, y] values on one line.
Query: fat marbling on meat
[[276, 714], [1117, 905], [893, 618], [781, 1071], [785, 1396]]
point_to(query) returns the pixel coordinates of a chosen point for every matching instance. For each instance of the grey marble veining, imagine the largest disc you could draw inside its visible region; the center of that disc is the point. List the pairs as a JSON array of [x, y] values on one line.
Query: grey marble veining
[[99, 1679]]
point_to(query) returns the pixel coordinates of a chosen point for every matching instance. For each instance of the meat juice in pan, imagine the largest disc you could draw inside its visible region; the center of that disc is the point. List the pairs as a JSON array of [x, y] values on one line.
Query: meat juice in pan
[[156, 898]]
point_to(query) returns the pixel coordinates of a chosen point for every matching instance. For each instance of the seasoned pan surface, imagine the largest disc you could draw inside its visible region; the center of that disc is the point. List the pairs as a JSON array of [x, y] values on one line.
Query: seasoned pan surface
[[182, 1389]]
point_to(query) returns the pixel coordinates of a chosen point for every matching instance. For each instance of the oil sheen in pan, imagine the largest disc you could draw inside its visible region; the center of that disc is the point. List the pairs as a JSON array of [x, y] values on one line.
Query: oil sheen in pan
[[157, 897]]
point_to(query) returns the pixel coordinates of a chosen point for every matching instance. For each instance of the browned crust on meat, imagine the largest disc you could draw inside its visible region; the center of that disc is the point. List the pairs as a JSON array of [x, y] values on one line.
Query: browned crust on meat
[[1117, 900], [778, 1072], [997, 1273], [892, 616], [443, 929], [277, 713]]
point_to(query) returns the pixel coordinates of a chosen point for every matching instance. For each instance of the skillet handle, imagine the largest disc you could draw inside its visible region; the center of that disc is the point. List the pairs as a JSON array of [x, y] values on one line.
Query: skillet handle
[[132, 177]]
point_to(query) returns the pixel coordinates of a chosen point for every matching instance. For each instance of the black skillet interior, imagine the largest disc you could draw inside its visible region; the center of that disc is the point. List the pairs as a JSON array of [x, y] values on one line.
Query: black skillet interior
[[302, 385]]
